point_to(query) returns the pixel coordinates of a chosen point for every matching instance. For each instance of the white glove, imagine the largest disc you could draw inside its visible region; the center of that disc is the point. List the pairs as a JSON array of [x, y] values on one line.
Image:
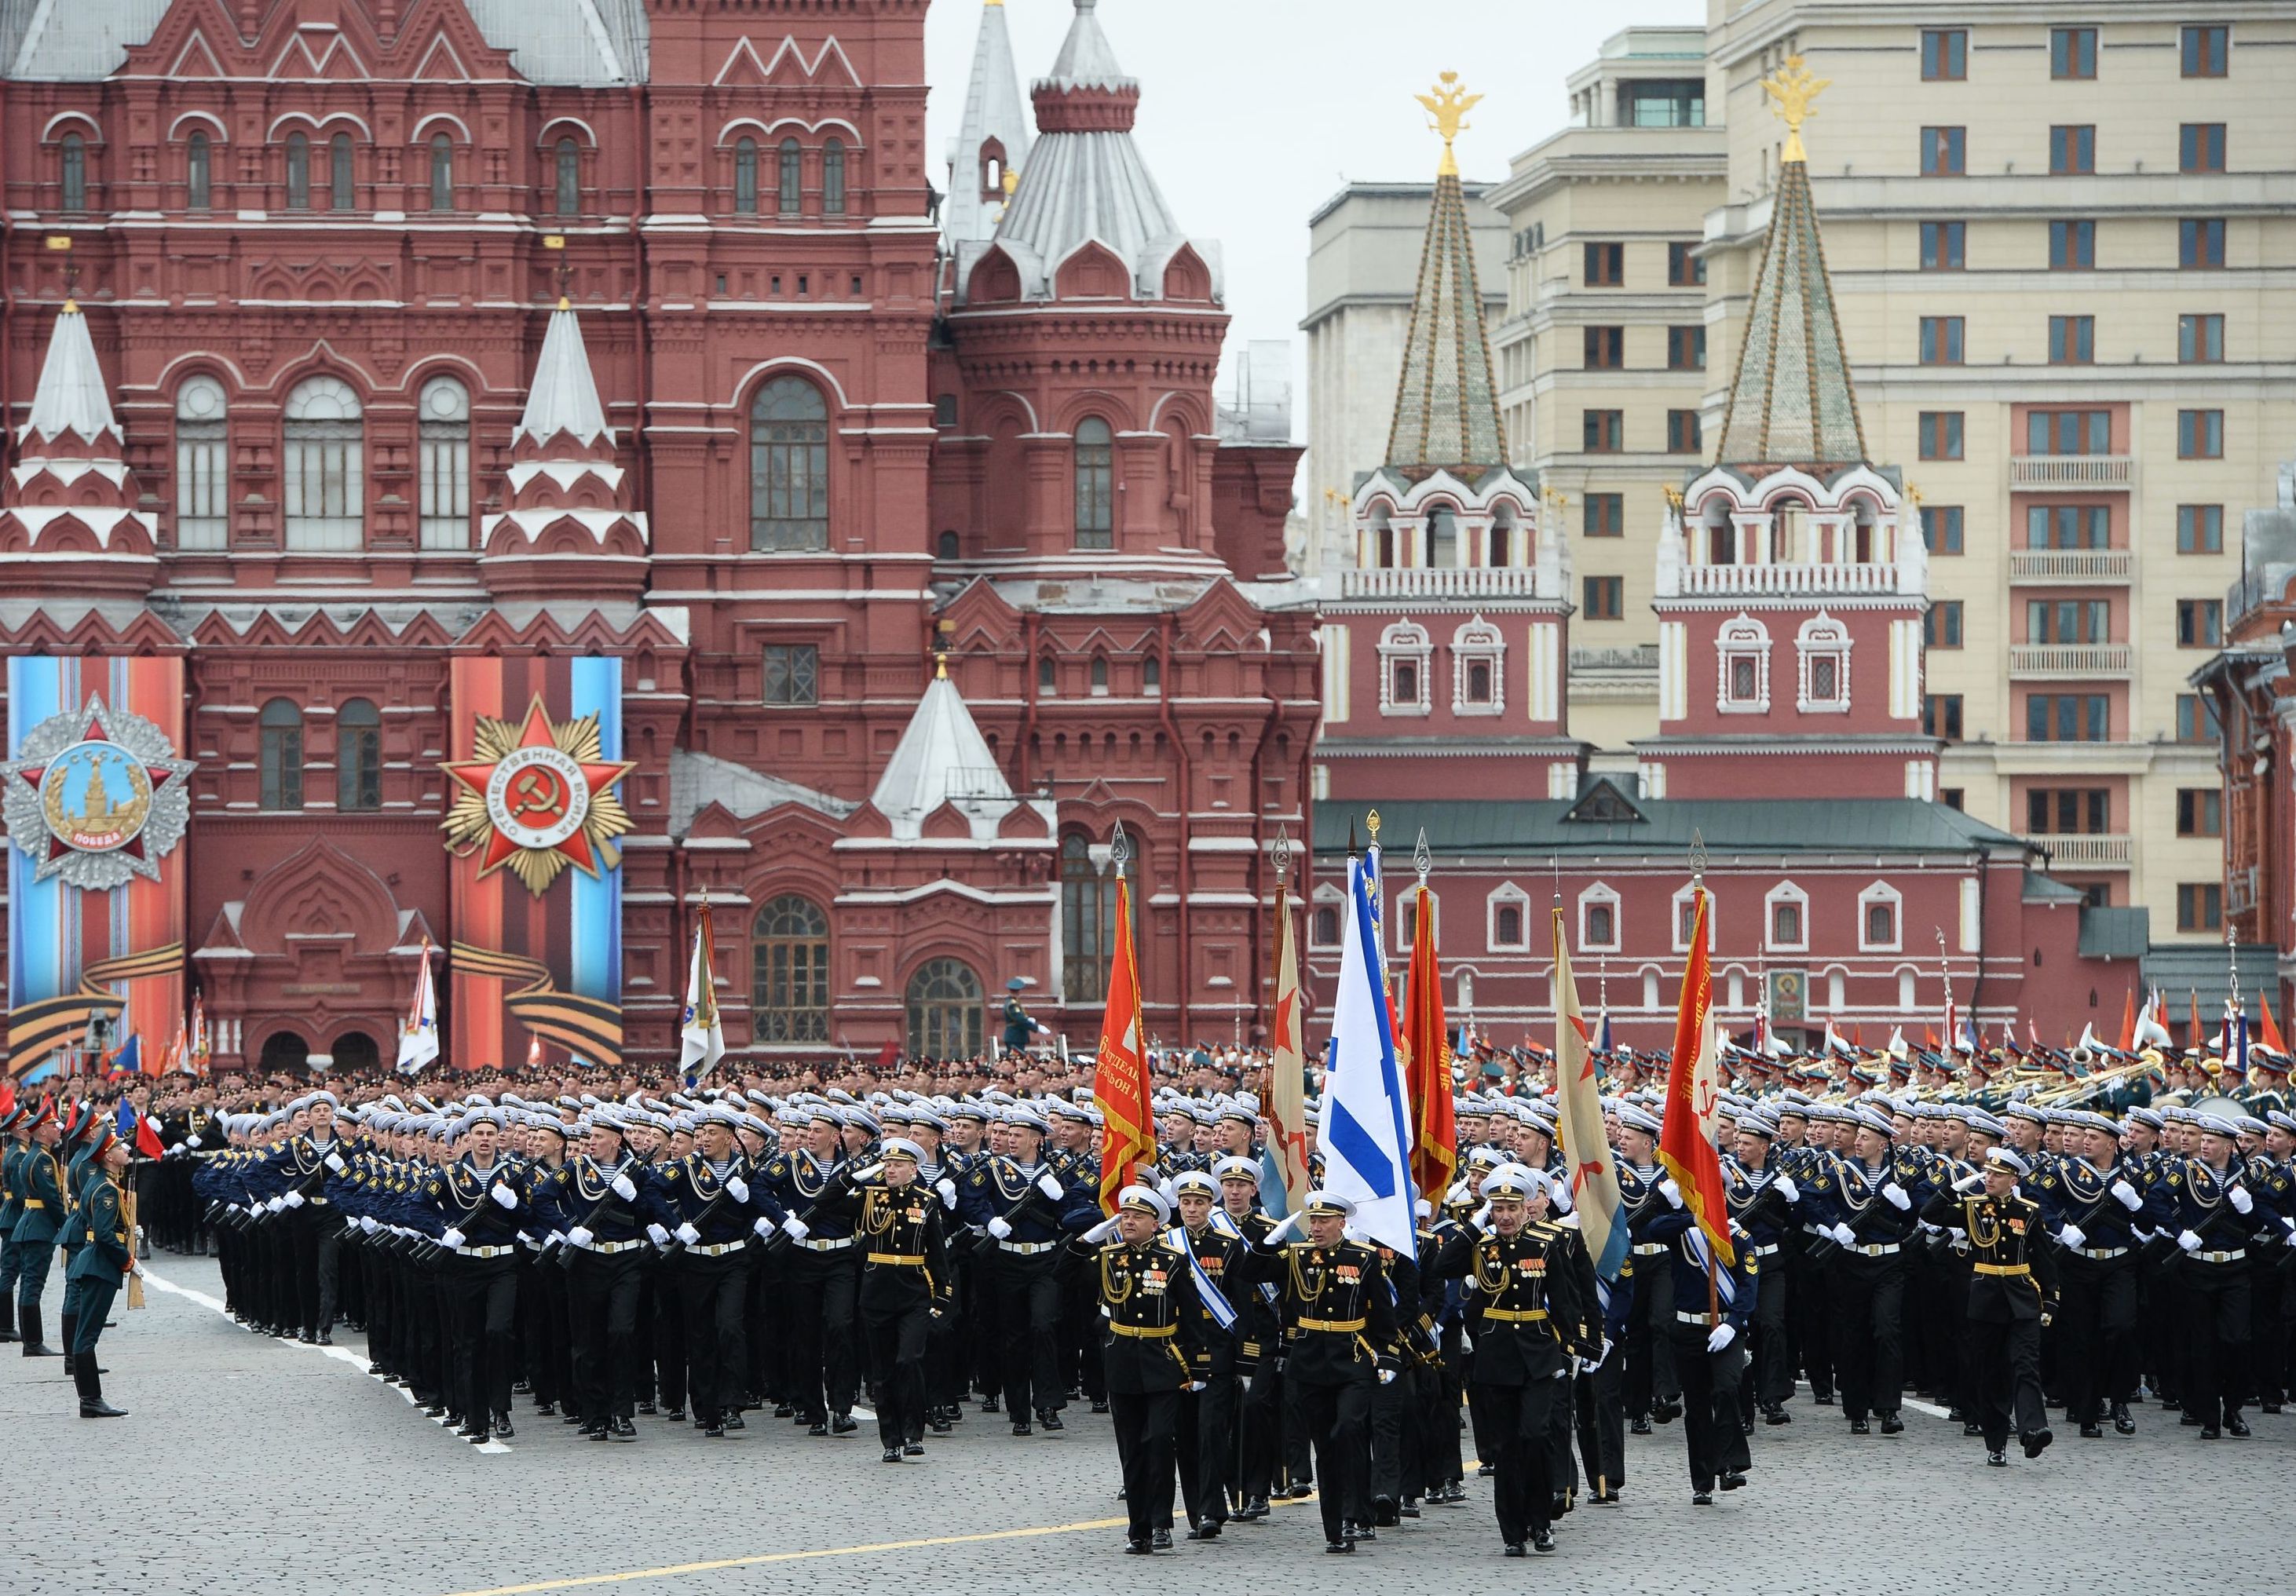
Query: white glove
[[368, 1224], [1969, 1182], [1787, 1189], [295, 1200], [2241, 1202], [1480, 1217], [2126, 1196], [686, 1233], [795, 1229], [656, 1235], [2072, 1235], [1724, 1334], [1458, 1193], [579, 1236], [1197, 1385], [453, 1239], [1896, 1197], [862, 1177], [275, 1205], [1559, 1196], [504, 1198], [947, 1190], [1290, 1226], [764, 1227], [335, 1161], [2190, 1241], [626, 1189], [1386, 1377], [999, 1229], [1670, 1191], [738, 1189], [1050, 1185], [1103, 1231], [1600, 1357], [1845, 1235]]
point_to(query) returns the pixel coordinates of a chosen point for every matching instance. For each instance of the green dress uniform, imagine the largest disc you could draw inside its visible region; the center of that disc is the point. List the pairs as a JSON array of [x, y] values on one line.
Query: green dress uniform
[[40, 1186], [97, 1270]]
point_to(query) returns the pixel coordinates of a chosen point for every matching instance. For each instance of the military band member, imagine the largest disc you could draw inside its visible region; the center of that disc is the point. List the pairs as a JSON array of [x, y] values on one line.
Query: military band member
[[1150, 1315], [2011, 1295]]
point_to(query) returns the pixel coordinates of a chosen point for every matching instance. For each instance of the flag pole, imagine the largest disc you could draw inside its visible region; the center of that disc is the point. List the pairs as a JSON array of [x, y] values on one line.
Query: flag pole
[[1698, 924]]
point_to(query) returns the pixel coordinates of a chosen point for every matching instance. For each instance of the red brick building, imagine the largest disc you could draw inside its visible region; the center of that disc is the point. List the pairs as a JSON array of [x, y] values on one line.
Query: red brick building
[[796, 427]]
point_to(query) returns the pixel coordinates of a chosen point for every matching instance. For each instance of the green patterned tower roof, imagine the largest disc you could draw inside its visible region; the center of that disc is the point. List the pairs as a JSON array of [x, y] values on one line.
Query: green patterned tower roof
[[1446, 409]]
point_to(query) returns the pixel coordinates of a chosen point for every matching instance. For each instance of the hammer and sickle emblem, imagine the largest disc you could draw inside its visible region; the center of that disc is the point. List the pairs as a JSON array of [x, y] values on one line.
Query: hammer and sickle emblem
[[538, 794]]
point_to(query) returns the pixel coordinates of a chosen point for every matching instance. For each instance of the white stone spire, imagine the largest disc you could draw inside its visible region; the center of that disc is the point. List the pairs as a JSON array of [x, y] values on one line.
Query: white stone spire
[[71, 398], [564, 398], [995, 129]]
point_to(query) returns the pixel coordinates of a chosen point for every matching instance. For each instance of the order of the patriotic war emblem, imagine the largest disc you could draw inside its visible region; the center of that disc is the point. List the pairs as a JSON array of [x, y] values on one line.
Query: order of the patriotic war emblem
[[536, 797], [96, 797]]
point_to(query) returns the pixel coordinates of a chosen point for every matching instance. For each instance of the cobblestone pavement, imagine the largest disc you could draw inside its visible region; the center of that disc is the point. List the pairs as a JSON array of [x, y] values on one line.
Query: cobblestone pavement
[[254, 1465]]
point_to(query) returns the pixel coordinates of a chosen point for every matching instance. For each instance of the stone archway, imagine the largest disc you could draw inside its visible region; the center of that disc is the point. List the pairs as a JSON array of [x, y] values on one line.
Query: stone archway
[[284, 1051], [356, 1052]]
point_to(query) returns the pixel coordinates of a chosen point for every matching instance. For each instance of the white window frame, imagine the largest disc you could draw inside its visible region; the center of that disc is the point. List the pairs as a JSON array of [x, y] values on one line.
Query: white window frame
[[1882, 892], [1478, 640], [202, 465], [322, 468], [443, 456], [1600, 893], [1397, 918], [1506, 893], [1404, 640], [1784, 892], [1745, 635], [1327, 895], [1822, 637], [1674, 918]]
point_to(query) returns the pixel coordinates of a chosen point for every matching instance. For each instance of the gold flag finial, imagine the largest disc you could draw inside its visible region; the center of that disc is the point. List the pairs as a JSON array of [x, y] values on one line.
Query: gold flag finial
[[1793, 88], [1449, 105]]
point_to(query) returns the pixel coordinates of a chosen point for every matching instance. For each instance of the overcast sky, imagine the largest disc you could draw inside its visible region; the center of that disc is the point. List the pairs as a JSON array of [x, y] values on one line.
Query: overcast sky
[[1254, 112]]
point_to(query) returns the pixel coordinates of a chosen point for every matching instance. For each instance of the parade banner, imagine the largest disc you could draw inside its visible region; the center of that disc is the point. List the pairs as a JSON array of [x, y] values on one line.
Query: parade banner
[[96, 801], [537, 883]]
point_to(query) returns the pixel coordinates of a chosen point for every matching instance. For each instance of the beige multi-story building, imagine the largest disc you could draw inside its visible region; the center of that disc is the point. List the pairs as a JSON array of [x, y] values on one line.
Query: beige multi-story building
[[1602, 349], [1363, 248], [2062, 238]]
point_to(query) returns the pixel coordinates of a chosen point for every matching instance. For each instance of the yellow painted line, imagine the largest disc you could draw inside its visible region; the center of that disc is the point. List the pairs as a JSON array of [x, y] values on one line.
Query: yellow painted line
[[1033, 1532]]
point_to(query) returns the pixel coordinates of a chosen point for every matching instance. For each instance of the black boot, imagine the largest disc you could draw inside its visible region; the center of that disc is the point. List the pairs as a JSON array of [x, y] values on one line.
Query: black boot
[[92, 1405], [33, 1347], [71, 1329], [8, 1317]]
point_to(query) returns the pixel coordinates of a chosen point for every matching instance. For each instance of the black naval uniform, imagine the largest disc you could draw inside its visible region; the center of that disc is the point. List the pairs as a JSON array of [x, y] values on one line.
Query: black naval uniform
[[1339, 1337], [906, 1283], [601, 1289], [1151, 1317], [482, 1210], [722, 1204], [1528, 1316], [2011, 1286]]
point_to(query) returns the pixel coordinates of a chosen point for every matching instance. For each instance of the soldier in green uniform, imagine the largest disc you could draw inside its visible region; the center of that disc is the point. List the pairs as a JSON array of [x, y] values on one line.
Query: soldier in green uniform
[[40, 1191], [15, 1145], [99, 1267]]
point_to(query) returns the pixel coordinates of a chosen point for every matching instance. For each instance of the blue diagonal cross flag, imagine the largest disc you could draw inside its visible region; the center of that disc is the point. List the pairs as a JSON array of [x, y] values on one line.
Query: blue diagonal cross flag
[[1366, 1121]]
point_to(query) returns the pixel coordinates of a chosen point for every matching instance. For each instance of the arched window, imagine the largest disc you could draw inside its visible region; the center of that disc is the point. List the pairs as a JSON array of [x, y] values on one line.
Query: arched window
[[789, 468], [1442, 538], [945, 1010], [299, 172], [570, 178], [444, 440], [1088, 922], [792, 178], [1096, 485], [198, 173], [281, 729], [1151, 676], [442, 172], [832, 178], [72, 171], [948, 546], [789, 972], [1498, 551], [1100, 675], [203, 466], [322, 466], [745, 176], [358, 757], [342, 193], [1324, 929], [1383, 528]]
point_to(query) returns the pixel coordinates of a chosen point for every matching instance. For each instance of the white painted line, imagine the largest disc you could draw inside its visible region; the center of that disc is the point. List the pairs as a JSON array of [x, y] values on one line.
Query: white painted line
[[341, 1354]]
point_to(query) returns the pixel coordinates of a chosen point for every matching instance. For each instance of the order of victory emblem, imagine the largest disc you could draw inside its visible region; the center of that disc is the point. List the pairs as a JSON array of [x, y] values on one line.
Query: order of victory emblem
[[96, 796], [537, 798]]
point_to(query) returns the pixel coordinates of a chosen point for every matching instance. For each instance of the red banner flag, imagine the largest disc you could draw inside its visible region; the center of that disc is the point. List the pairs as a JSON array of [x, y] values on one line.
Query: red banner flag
[[2128, 1022], [1120, 1076], [1434, 1133], [1685, 1143], [2271, 1032]]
